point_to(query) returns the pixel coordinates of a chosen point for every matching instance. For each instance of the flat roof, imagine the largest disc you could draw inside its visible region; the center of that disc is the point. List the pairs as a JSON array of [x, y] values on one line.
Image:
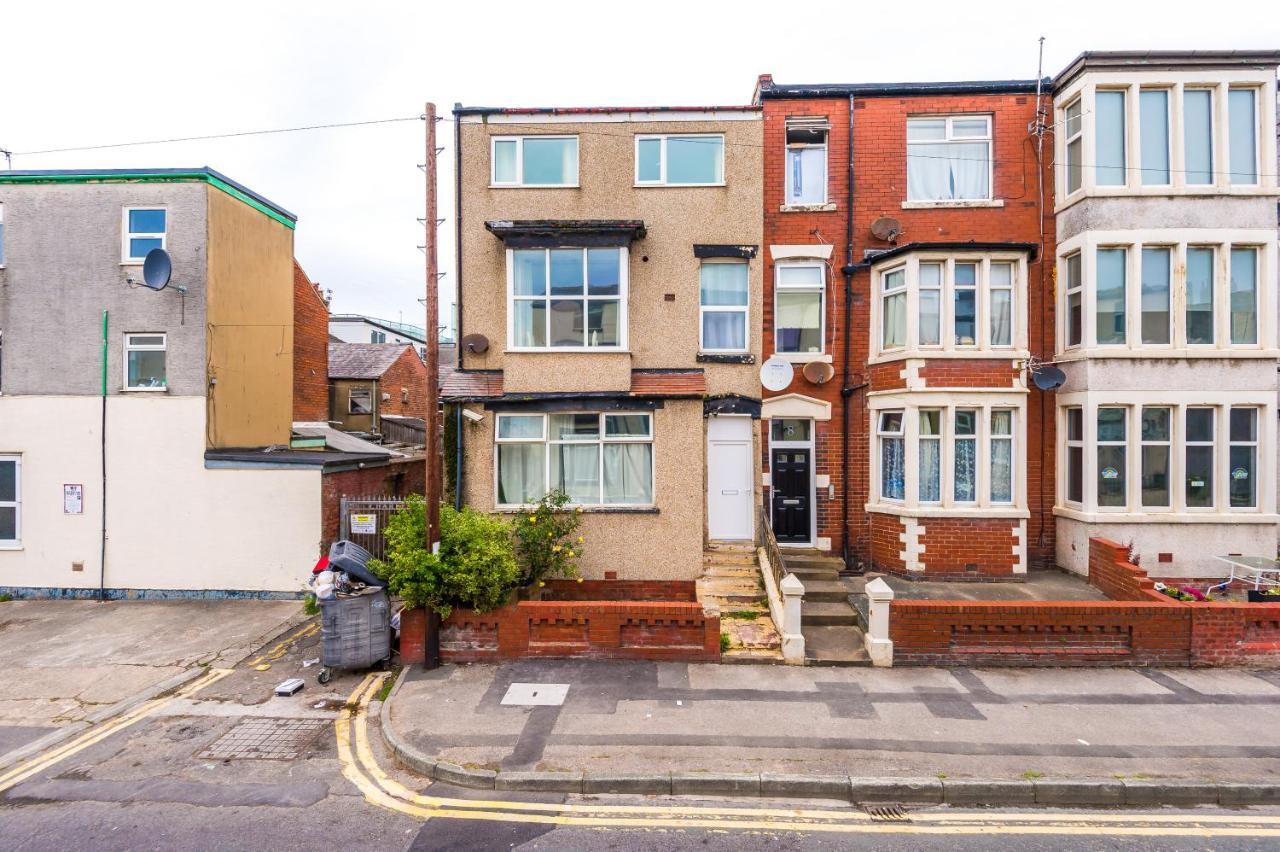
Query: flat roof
[[200, 173], [1165, 59]]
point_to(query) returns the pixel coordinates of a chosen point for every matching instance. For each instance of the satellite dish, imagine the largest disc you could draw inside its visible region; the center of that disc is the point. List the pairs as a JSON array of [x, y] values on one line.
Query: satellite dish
[[776, 374], [157, 269], [886, 228], [475, 343], [1048, 378], [818, 371]]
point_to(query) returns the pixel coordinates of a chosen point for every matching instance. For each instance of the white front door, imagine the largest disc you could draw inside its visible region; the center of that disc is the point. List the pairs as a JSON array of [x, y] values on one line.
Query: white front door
[[729, 479]]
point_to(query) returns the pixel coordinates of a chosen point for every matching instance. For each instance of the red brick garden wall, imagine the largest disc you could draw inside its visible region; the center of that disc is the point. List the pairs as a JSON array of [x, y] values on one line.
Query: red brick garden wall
[[621, 590], [598, 630], [951, 545]]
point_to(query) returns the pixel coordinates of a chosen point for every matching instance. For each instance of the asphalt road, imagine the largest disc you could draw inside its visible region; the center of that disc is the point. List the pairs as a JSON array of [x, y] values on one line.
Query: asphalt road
[[152, 782]]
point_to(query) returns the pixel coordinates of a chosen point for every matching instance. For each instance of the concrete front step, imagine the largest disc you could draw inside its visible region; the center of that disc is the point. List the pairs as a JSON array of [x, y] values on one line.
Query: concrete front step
[[729, 558], [823, 614], [730, 547], [824, 591], [814, 572], [834, 646], [807, 561], [730, 571]]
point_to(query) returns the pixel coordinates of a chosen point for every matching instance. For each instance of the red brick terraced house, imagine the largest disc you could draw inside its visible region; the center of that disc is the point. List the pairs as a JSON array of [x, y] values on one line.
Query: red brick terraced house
[[905, 232]]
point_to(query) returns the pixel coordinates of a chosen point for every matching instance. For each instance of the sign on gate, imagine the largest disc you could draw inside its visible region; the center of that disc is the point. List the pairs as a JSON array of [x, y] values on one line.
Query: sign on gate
[[364, 524]]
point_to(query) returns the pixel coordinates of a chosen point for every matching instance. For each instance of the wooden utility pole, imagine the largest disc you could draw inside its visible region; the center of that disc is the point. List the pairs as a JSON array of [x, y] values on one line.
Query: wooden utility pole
[[434, 476]]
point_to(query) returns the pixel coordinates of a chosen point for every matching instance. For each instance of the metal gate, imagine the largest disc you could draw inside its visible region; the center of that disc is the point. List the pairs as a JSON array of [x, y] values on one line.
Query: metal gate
[[364, 521]]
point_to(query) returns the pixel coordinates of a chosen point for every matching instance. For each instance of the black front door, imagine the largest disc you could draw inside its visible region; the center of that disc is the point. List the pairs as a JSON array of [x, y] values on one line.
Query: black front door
[[789, 473]]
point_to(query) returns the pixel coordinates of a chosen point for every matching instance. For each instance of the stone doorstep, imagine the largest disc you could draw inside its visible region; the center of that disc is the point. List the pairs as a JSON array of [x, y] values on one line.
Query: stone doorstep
[[819, 614], [825, 591]]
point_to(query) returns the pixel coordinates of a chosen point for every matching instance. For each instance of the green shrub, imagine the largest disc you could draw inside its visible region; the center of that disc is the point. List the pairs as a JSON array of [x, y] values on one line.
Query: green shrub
[[547, 539], [475, 569]]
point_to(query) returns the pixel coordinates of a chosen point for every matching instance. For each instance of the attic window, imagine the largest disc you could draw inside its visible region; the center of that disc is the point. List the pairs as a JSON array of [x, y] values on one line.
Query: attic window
[[806, 161]]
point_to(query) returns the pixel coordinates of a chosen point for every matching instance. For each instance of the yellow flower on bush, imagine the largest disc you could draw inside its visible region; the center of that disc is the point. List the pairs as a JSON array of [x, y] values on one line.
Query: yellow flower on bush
[[578, 510], [533, 519], [541, 584], [581, 539], [571, 552], [555, 548], [579, 579]]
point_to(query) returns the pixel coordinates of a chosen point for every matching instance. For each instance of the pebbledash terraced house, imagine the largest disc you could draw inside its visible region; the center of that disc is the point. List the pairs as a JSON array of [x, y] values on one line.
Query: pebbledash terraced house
[[610, 325], [1002, 317]]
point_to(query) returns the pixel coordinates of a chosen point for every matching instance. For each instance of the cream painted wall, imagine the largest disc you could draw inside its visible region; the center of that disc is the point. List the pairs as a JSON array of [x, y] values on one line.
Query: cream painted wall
[[172, 523], [1193, 545]]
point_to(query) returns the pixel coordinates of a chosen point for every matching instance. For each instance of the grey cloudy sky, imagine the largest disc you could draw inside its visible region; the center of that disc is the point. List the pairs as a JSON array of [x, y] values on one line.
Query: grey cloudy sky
[[97, 73]]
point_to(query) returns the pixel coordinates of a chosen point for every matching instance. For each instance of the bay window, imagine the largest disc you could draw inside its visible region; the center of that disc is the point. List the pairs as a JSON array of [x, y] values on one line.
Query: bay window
[[1164, 457], [953, 303], [1157, 267], [723, 295], [1109, 295], [949, 158], [948, 457], [597, 459], [1074, 126], [892, 456], [1244, 295], [567, 298], [1200, 265], [1075, 300], [545, 161], [1197, 121], [1109, 138], [799, 311]]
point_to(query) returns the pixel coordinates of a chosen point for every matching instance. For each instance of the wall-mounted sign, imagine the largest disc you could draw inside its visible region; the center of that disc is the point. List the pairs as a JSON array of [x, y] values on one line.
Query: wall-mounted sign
[[1110, 473], [1239, 473], [776, 374], [73, 499], [364, 524]]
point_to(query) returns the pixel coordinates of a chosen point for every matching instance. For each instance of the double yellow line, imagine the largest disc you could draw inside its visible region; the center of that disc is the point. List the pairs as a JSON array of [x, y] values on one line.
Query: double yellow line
[[361, 768], [97, 733]]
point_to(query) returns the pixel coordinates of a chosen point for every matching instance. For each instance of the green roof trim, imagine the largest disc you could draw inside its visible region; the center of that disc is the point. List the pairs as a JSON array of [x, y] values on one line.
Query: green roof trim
[[204, 175]]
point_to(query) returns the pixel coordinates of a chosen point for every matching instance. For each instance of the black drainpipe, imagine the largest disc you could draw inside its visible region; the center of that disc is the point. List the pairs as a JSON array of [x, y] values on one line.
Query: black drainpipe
[[457, 286], [846, 391]]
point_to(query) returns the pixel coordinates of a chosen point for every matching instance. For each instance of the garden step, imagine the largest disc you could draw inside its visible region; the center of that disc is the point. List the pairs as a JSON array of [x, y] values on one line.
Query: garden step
[[824, 591], [730, 547], [834, 646], [731, 573], [807, 561], [806, 576], [825, 614]]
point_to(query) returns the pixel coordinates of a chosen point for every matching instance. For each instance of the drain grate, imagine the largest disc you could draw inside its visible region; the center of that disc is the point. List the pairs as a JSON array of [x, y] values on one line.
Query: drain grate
[[265, 739], [886, 813]]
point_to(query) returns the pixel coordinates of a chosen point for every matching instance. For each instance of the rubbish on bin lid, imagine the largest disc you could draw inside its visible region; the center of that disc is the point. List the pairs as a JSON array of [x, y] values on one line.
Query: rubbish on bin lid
[[322, 564], [306, 664], [292, 686]]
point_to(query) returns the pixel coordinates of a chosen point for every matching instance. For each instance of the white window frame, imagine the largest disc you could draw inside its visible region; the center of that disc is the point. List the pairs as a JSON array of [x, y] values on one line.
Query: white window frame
[[1258, 144], [16, 504], [126, 256], [1069, 138], [1128, 445], [807, 124], [1221, 240], [820, 289], [519, 183], [1168, 444], [1070, 288], [936, 438], [1011, 438], [948, 139], [1, 235], [947, 347], [900, 435], [621, 298], [1215, 457], [372, 404], [1169, 94], [130, 346], [662, 158], [975, 438], [1256, 444], [601, 440], [744, 310], [1070, 443], [886, 292]]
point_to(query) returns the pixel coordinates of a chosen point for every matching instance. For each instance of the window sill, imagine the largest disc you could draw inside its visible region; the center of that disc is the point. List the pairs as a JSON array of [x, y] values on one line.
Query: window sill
[[137, 262], [535, 186], [726, 358], [1237, 516], [948, 354], [802, 357], [677, 185], [942, 205], [807, 208], [586, 510], [144, 390], [11, 547], [1153, 352], [561, 350], [1010, 512]]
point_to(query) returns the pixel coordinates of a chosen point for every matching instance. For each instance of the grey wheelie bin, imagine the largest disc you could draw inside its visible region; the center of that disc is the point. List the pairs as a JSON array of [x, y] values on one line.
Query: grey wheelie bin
[[355, 632]]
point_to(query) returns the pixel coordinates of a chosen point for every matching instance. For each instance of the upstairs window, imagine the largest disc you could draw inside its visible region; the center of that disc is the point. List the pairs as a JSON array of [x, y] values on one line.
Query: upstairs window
[[806, 161], [723, 306], [377, 337], [144, 229], [1073, 124], [1, 235], [567, 298], [949, 158], [144, 362], [957, 303], [798, 307], [1153, 118], [534, 161], [1197, 129], [1242, 124], [1244, 295], [688, 160], [1109, 138]]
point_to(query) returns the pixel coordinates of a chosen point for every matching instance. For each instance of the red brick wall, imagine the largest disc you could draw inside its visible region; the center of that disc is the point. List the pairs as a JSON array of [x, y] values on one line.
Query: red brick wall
[[969, 373], [1066, 633], [601, 630], [880, 183], [310, 350], [887, 544], [621, 590], [407, 373], [1115, 576], [952, 544], [399, 478], [1226, 634]]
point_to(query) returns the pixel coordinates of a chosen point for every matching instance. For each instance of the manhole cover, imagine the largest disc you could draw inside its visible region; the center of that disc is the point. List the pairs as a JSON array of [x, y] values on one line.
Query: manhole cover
[[265, 739], [536, 694]]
